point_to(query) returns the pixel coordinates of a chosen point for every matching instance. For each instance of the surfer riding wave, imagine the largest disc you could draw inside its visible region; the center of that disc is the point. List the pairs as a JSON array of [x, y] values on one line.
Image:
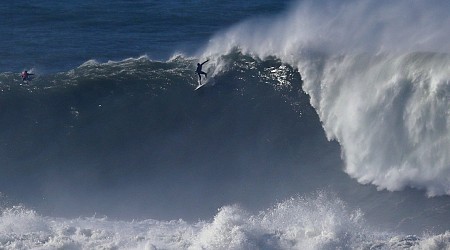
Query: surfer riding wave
[[200, 72], [25, 76]]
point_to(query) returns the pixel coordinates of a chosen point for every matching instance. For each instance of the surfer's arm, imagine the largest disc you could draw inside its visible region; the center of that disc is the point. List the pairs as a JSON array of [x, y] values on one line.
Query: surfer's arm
[[205, 61]]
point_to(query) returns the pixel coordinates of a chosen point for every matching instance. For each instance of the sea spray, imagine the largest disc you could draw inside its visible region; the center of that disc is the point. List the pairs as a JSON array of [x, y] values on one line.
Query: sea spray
[[378, 80], [319, 221]]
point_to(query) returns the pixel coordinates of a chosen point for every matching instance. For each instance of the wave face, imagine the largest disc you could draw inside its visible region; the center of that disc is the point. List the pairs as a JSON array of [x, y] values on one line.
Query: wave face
[[133, 139], [377, 73]]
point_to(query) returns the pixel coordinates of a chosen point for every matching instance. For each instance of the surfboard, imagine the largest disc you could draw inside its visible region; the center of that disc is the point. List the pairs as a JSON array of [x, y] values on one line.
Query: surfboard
[[200, 85]]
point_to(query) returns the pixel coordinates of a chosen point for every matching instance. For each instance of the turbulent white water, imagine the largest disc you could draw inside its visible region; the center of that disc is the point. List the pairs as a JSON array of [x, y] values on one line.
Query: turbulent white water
[[378, 76], [320, 222], [377, 73]]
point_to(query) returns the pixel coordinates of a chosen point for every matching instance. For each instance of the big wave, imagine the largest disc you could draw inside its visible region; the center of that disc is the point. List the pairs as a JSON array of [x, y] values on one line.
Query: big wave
[[378, 76], [105, 130]]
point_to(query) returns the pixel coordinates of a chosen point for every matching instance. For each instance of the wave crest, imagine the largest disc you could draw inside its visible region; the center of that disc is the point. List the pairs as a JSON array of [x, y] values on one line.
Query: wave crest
[[378, 80]]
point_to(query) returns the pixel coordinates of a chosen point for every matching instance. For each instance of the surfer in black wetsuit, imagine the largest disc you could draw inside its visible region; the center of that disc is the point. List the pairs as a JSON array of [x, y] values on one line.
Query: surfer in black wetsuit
[[200, 72], [25, 76]]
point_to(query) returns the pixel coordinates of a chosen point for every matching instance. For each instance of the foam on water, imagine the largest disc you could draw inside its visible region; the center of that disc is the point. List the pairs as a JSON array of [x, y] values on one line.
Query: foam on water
[[377, 73], [320, 221], [378, 81]]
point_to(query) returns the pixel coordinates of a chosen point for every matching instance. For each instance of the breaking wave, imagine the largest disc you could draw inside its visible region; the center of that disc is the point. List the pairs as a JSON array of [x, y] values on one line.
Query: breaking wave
[[378, 76], [321, 221]]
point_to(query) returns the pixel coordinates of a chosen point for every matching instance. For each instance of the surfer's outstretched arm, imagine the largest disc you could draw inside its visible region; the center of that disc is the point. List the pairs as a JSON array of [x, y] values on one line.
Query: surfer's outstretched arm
[[205, 62]]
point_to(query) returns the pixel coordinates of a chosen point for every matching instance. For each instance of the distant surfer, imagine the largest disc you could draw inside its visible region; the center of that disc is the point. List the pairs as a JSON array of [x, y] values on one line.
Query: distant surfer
[[25, 76], [200, 72]]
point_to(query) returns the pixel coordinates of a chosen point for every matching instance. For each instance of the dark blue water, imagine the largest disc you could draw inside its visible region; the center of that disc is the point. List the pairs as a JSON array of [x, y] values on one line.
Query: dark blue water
[[111, 127], [53, 36]]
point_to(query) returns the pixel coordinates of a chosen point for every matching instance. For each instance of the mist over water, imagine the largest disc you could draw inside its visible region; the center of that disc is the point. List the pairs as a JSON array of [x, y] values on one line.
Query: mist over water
[[323, 222], [378, 76], [301, 110]]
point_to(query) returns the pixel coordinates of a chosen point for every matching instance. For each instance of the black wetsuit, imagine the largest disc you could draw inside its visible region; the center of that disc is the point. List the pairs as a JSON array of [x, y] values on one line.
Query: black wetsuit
[[199, 70]]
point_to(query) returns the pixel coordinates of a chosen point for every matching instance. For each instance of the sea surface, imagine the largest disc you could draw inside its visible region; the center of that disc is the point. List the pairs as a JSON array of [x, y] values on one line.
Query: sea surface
[[322, 125]]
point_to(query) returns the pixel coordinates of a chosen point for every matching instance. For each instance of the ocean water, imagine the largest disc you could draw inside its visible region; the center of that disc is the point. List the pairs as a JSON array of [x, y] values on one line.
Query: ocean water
[[322, 125]]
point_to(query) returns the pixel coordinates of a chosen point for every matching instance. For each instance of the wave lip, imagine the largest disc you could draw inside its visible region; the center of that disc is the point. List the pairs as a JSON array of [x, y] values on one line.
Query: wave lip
[[377, 74]]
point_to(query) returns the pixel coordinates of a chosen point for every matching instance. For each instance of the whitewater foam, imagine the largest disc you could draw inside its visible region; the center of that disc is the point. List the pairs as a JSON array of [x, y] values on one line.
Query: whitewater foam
[[318, 222], [378, 80]]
